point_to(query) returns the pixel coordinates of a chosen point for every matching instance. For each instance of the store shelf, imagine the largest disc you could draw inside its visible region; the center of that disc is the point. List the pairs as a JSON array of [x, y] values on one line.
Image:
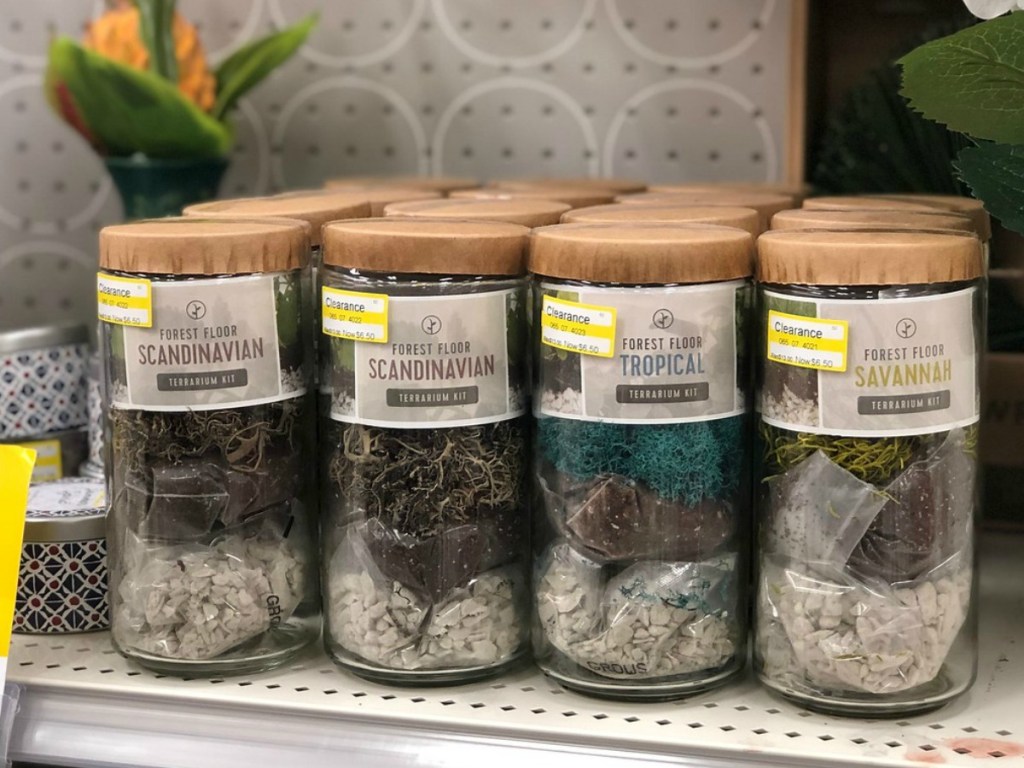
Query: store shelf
[[85, 705]]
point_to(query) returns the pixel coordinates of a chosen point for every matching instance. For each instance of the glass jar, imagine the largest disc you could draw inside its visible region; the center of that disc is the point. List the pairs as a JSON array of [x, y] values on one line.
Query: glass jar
[[869, 429], [423, 442], [640, 456], [212, 521]]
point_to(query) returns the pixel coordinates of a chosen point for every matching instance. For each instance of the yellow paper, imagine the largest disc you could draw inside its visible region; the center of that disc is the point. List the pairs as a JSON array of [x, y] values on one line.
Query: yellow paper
[[585, 329], [808, 342], [15, 473]]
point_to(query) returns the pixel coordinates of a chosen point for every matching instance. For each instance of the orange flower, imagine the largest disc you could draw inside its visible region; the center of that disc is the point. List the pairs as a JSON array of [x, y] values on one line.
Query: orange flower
[[115, 35]]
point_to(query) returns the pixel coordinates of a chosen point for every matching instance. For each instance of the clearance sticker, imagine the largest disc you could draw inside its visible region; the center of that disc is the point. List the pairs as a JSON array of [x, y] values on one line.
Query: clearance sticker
[[582, 328], [15, 471], [124, 300], [48, 460], [355, 316], [808, 342]]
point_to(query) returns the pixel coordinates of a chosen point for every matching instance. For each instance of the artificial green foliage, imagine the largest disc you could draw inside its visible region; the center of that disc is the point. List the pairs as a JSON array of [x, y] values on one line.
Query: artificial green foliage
[[972, 81], [128, 111], [251, 63], [995, 174], [156, 28], [685, 462]]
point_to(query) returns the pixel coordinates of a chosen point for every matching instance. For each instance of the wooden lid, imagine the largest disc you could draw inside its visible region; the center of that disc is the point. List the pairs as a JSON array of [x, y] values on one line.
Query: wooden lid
[[616, 185], [767, 205], [862, 203], [815, 218], [967, 206], [723, 216], [528, 212], [576, 197], [442, 184], [868, 257], [641, 254], [197, 246], [406, 245], [796, 191], [316, 207]]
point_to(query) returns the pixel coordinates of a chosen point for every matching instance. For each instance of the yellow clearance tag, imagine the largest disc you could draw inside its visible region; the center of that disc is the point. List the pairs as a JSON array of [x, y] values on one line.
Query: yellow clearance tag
[[582, 328], [355, 316], [15, 472], [808, 342], [49, 465], [124, 300]]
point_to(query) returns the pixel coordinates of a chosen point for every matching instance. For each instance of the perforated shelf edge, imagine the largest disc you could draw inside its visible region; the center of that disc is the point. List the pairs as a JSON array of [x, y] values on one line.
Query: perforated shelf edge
[[85, 705]]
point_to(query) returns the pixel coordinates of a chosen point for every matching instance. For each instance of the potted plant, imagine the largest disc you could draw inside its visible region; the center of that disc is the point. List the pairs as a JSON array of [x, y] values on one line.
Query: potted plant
[[140, 90]]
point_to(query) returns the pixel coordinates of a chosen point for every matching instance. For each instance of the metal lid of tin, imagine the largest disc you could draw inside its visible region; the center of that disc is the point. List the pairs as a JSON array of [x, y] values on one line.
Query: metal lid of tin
[[41, 337], [617, 185], [641, 253], [442, 184], [316, 207], [967, 206], [724, 216], [868, 257], [72, 509], [201, 246], [528, 212], [767, 205], [815, 218], [407, 245], [576, 197]]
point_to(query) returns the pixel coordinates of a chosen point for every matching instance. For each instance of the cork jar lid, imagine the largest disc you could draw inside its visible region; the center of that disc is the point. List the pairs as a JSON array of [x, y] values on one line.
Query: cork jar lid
[[767, 205], [200, 246], [529, 212], [797, 191], [407, 245], [316, 207], [442, 184], [575, 197], [821, 218], [862, 203], [723, 216], [381, 197], [640, 254], [617, 185], [966, 206], [868, 257]]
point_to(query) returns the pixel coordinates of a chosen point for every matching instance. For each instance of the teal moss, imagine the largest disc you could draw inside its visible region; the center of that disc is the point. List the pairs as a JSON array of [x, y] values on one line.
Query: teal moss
[[681, 462]]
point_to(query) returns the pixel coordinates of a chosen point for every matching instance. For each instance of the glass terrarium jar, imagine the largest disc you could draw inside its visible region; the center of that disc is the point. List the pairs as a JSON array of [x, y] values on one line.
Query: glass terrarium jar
[[869, 430], [212, 519], [640, 457], [423, 441]]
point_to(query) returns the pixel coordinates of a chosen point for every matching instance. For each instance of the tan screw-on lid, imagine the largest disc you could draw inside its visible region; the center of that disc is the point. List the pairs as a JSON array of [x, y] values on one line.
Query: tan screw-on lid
[[576, 197], [529, 212], [616, 185], [724, 216], [967, 206], [442, 184], [197, 246], [796, 191], [405, 245], [868, 257], [767, 205], [315, 207], [381, 197], [862, 203], [641, 253], [814, 218]]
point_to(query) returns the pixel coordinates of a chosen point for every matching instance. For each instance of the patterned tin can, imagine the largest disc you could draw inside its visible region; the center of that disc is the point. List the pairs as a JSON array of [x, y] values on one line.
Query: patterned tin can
[[62, 582]]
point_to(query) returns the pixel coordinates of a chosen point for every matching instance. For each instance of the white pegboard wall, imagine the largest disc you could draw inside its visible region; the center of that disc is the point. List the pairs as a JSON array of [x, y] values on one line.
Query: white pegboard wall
[[660, 89]]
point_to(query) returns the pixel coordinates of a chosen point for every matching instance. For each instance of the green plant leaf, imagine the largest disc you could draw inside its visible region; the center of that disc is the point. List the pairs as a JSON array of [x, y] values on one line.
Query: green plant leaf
[[995, 173], [250, 64], [128, 111], [972, 81], [156, 28]]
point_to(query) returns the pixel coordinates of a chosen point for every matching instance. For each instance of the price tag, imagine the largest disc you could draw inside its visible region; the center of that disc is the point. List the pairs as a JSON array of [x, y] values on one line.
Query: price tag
[[356, 316], [15, 472], [582, 328], [49, 464], [808, 342], [124, 300]]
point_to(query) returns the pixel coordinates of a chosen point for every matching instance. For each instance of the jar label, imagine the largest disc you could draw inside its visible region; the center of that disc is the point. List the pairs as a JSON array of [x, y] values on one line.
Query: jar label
[[354, 315], [449, 360], [575, 327], [911, 365], [807, 343], [672, 355], [224, 342], [124, 300]]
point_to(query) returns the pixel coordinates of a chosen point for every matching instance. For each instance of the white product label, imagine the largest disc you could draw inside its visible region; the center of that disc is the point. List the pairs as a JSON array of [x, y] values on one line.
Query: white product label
[[448, 361], [671, 356], [872, 367], [67, 499], [217, 343]]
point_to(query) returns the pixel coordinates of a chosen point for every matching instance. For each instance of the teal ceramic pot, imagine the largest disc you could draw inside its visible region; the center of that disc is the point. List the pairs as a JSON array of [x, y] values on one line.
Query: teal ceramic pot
[[155, 187]]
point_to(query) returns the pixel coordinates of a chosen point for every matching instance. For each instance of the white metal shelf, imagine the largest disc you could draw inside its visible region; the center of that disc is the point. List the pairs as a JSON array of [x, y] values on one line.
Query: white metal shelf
[[85, 705]]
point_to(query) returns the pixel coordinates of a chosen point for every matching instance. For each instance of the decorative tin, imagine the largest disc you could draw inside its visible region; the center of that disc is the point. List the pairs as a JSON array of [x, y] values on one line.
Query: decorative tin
[[62, 583]]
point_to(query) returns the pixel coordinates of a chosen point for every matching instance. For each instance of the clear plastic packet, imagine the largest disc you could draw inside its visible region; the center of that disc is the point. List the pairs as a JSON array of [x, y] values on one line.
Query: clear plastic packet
[[201, 600], [9, 698]]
